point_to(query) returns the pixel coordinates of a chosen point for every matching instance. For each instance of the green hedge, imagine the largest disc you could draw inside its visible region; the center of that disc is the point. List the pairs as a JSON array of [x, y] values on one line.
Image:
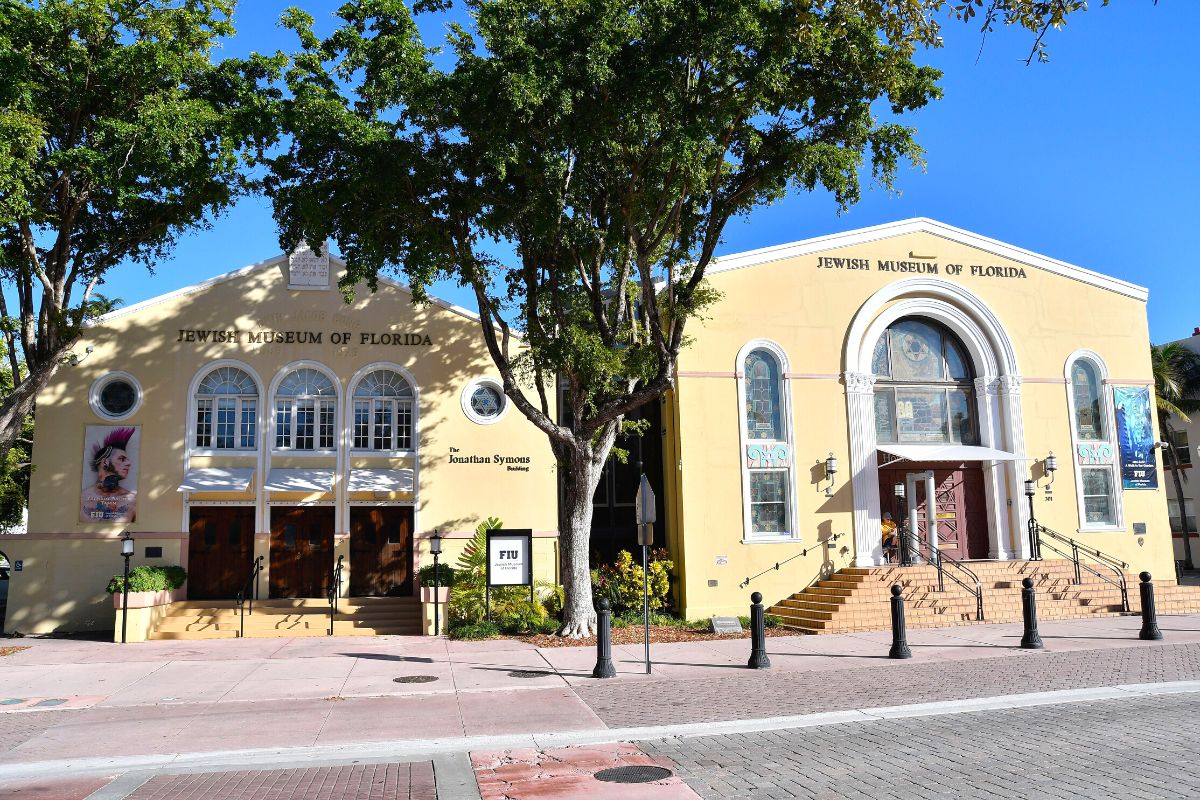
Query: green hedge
[[148, 579], [445, 575]]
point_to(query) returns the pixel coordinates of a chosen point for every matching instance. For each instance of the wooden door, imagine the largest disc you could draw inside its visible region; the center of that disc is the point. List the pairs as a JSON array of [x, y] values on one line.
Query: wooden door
[[220, 551], [959, 507], [301, 551], [381, 551]]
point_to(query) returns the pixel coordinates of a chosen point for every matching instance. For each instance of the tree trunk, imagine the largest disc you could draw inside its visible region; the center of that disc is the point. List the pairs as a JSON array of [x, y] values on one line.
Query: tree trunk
[[17, 406], [584, 466]]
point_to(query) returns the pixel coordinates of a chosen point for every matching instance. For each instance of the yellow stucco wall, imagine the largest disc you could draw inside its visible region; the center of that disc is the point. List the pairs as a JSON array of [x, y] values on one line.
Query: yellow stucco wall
[[151, 342], [807, 311]]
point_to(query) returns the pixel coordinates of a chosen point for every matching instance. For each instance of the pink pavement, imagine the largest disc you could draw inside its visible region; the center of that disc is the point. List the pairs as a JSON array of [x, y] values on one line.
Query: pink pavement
[[568, 772]]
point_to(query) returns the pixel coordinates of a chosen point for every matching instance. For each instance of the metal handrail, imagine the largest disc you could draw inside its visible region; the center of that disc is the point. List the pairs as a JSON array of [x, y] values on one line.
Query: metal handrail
[[1103, 559], [801, 554], [939, 560], [334, 586], [244, 594]]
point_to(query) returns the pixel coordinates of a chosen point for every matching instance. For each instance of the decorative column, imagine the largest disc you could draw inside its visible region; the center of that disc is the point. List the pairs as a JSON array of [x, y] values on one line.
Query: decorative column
[[1009, 387], [995, 476], [864, 468]]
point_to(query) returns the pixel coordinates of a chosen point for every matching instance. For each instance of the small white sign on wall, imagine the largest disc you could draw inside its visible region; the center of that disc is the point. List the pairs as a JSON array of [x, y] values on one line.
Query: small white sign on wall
[[308, 270]]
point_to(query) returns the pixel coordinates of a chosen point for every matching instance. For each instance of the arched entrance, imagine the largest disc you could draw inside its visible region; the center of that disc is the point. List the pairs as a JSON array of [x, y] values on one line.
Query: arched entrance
[[961, 440]]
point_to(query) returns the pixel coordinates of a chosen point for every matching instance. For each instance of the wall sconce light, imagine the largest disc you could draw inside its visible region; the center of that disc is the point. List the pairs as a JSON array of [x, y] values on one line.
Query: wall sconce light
[[1050, 466], [74, 359], [831, 469]]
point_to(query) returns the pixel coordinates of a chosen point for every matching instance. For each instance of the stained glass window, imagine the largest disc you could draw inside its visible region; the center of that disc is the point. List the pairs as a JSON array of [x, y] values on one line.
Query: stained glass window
[[924, 386], [763, 406]]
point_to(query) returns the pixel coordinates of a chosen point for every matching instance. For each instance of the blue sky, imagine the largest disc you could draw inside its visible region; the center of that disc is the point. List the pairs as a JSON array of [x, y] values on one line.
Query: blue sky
[[1091, 158]]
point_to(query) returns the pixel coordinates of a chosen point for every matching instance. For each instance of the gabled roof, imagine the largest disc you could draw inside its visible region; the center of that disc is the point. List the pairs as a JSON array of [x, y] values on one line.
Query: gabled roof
[[889, 230], [269, 263]]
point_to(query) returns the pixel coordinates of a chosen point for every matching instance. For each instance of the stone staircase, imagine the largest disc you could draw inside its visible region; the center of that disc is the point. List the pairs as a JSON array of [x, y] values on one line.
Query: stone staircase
[[856, 598], [356, 616]]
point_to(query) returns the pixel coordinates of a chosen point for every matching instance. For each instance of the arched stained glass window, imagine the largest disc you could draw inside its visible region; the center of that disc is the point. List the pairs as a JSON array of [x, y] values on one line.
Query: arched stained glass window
[[227, 410], [924, 386], [305, 411], [764, 418], [383, 411], [1085, 391]]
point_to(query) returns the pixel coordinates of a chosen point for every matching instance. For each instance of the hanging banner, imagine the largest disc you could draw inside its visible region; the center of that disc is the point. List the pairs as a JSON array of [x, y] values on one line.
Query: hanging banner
[[1135, 437], [110, 474]]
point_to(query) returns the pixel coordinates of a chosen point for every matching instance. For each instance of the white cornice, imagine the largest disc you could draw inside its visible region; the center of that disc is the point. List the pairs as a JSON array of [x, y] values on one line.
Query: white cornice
[[889, 230]]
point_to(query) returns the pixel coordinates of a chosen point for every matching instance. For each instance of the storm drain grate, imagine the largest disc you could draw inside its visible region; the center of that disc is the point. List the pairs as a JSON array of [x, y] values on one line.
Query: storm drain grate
[[415, 679], [529, 673], [633, 774]]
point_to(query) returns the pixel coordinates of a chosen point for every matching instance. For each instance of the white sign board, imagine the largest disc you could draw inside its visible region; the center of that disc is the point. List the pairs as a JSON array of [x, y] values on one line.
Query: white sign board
[[308, 270], [510, 558]]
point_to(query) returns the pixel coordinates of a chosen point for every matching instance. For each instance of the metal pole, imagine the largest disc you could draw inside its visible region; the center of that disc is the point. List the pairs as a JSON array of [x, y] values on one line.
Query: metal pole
[[604, 664], [125, 600], [899, 634], [1030, 639], [646, 600], [1035, 550], [758, 634], [905, 545], [1150, 629], [437, 622]]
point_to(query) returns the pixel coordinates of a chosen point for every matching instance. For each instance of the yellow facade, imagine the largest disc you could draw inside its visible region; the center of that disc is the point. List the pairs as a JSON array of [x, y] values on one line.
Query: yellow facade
[[817, 303], [436, 347]]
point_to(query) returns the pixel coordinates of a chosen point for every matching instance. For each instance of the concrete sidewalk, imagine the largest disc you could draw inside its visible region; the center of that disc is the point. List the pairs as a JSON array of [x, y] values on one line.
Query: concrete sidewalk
[[99, 706]]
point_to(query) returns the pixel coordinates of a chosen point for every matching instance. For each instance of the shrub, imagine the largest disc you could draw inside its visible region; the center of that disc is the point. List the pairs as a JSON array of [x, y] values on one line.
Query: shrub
[[523, 617], [148, 579], [622, 582], [477, 630], [445, 572], [468, 595], [772, 620]]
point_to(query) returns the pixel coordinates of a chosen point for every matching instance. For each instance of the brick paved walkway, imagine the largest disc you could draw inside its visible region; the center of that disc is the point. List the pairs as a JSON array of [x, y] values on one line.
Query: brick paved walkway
[[1138, 748], [750, 695], [367, 782]]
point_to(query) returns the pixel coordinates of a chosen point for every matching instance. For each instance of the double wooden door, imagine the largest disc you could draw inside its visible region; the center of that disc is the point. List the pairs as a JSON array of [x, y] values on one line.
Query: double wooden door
[[220, 551], [958, 511], [381, 554], [302, 558]]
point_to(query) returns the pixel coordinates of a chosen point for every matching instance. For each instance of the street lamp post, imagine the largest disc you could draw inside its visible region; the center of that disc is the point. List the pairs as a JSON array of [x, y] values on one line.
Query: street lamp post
[[435, 547], [127, 552], [905, 551], [1035, 550]]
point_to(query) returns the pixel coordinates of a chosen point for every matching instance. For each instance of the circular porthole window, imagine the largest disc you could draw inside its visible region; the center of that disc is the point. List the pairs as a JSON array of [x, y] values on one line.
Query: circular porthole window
[[117, 395], [484, 401]]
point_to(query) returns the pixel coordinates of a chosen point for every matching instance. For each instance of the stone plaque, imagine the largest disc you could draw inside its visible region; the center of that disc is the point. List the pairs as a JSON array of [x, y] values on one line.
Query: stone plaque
[[726, 625], [308, 270]]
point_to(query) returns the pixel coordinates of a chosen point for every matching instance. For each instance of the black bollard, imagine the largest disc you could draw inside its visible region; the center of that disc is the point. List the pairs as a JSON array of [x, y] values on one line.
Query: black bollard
[[1149, 615], [604, 663], [1030, 640], [758, 635], [899, 635]]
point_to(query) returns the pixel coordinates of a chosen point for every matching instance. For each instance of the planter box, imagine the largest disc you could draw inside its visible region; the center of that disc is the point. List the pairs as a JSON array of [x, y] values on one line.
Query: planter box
[[427, 592], [148, 599]]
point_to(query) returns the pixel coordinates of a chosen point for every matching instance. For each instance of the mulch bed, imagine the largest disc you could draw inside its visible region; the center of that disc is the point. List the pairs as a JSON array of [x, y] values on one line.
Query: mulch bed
[[8, 651], [635, 634]]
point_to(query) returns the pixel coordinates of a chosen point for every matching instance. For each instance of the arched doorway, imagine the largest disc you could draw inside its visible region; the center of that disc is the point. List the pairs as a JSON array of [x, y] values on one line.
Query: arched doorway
[[925, 400], [990, 385]]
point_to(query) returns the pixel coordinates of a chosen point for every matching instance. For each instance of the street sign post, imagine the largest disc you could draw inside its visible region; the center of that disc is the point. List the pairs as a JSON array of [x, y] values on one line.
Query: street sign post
[[644, 510]]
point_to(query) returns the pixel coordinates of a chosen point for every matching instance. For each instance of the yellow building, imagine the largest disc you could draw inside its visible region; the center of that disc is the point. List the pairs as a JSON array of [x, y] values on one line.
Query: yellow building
[[925, 360], [935, 371], [258, 414]]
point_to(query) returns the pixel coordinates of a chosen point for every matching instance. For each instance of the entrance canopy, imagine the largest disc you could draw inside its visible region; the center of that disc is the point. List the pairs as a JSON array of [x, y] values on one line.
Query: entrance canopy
[[380, 480], [300, 480], [214, 479], [946, 452]]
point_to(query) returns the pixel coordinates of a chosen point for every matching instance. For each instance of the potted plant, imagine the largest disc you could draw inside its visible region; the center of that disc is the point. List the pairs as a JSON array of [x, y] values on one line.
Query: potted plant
[[148, 586], [445, 579]]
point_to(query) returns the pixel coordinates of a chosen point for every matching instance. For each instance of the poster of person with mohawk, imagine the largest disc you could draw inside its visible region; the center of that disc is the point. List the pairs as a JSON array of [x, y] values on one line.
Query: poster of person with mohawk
[[110, 458]]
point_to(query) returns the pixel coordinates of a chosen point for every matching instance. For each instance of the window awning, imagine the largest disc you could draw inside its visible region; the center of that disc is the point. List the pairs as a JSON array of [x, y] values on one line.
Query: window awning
[[215, 479], [946, 452], [299, 480], [380, 480]]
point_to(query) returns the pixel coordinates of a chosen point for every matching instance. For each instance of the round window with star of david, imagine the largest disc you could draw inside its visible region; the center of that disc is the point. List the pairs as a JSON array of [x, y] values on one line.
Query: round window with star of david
[[484, 401]]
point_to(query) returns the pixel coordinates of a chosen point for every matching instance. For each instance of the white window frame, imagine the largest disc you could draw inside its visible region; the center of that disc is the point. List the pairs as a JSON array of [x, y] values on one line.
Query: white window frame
[[193, 426], [104, 380], [414, 405], [1110, 439], [785, 419], [1189, 506], [469, 390], [318, 400]]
